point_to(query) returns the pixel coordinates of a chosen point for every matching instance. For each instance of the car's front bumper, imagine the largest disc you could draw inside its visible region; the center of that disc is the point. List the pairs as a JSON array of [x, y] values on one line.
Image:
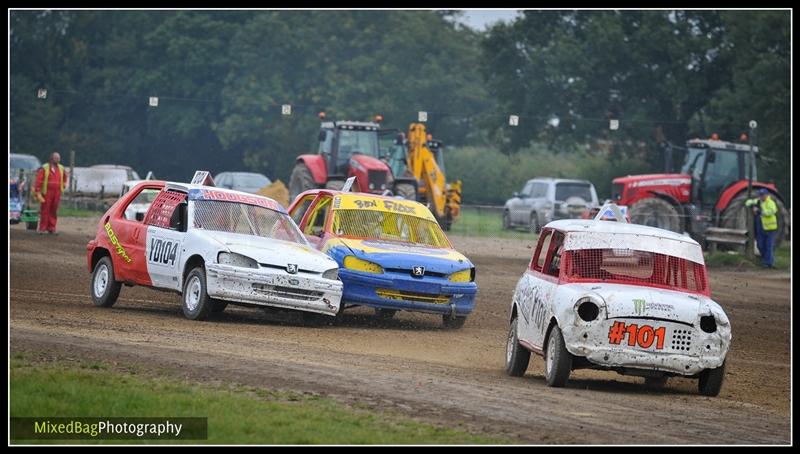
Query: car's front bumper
[[403, 292], [268, 287], [686, 350]]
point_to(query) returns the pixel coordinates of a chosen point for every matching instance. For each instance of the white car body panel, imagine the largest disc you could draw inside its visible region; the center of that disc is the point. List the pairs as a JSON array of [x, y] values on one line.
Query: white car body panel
[[271, 284], [685, 348]]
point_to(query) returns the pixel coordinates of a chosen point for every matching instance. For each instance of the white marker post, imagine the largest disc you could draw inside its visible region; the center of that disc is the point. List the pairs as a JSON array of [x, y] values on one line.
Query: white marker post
[[613, 125], [513, 120], [154, 101], [286, 109], [422, 116]]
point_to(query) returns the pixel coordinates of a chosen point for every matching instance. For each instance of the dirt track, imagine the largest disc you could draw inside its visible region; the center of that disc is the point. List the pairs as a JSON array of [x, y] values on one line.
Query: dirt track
[[410, 365]]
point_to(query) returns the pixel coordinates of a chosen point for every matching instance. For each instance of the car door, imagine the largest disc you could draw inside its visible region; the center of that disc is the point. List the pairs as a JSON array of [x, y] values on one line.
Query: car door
[[315, 220], [166, 238], [128, 237], [540, 288], [299, 209]]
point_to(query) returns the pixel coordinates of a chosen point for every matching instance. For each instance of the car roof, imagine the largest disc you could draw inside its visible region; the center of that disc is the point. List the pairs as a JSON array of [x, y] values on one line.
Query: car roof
[[591, 234], [559, 180], [366, 195], [186, 187]]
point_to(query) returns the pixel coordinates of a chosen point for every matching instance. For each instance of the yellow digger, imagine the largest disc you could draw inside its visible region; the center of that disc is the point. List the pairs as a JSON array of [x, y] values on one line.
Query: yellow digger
[[423, 158]]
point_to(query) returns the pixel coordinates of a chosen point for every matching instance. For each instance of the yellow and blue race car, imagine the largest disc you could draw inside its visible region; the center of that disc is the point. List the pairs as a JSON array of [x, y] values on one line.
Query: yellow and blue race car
[[391, 252]]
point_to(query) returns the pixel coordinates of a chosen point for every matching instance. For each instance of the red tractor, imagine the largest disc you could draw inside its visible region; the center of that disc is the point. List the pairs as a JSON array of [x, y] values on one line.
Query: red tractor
[[348, 148], [709, 191]]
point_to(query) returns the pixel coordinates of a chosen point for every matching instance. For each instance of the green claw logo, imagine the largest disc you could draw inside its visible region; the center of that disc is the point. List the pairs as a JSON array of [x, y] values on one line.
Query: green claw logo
[[638, 306]]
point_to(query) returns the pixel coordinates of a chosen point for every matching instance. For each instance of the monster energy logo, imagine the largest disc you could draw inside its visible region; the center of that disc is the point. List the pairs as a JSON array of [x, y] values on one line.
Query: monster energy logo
[[639, 306]]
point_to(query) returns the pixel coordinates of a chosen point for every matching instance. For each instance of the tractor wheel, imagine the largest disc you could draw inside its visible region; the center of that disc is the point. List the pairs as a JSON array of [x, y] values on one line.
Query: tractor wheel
[[735, 216], [656, 212], [406, 191], [300, 180]]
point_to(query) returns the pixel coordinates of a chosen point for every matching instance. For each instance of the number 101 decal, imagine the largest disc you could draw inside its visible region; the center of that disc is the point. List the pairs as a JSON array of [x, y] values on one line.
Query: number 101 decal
[[163, 251]]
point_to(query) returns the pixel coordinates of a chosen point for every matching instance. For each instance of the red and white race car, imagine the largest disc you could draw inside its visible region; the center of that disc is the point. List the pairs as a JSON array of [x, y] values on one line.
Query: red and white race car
[[618, 296], [215, 246]]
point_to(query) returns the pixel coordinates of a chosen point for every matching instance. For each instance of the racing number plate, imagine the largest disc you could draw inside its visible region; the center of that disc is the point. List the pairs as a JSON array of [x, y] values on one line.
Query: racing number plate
[[645, 336]]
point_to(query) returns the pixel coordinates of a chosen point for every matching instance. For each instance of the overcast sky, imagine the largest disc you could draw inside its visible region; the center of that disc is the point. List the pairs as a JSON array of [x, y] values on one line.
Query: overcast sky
[[481, 19]]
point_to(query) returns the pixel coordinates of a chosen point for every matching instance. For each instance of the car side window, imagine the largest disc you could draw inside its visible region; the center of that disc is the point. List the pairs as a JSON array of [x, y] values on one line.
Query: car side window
[[539, 190], [527, 190], [145, 197], [168, 211], [554, 264], [316, 219], [300, 209], [541, 251]]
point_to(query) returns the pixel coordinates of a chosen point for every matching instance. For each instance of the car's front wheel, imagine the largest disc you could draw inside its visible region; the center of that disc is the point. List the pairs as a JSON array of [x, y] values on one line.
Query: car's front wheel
[[105, 290], [710, 383], [517, 356], [196, 302], [557, 360]]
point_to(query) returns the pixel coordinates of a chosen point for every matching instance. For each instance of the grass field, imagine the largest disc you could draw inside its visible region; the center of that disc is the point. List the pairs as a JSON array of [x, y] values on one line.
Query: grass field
[[485, 222], [69, 212], [236, 414], [728, 259]]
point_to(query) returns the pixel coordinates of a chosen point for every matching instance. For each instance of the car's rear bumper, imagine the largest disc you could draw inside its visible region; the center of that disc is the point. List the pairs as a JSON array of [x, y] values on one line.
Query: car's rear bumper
[[392, 291], [265, 287]]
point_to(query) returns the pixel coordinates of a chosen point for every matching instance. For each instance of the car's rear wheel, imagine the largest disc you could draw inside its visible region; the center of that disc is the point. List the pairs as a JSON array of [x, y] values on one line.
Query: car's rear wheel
[[196, 302], [517, 356], [105, 289], [506, 220], [557, 360], [710, 382]]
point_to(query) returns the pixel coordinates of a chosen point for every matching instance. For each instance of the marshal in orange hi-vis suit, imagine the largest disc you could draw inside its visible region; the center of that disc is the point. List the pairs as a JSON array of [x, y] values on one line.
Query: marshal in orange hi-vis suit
[[51, 179]]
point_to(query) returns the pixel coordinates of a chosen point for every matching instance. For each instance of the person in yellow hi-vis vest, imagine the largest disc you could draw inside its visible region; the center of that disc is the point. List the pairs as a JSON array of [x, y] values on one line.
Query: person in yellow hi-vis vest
[[51, 179], [766, 213]]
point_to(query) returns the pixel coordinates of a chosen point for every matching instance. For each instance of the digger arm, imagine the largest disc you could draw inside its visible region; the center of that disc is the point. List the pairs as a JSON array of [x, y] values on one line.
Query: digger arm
[[423, 166]]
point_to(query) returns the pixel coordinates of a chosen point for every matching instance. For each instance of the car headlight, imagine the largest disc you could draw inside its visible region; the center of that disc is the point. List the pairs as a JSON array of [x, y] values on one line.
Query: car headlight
[[462, 276], [234, 259], [332, 274], [356, 264]]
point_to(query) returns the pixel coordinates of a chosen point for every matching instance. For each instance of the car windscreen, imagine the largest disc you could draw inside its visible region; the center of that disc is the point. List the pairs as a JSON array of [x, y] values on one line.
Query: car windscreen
[[566, 190], [24, 162], [634, 267], [245, 219], [382, 225]]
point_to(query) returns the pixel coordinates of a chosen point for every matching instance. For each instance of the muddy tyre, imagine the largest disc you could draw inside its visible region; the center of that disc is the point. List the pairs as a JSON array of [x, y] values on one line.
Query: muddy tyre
[[218, 306], [517, 356], [104, 288], [196, 302], [453, 322], [557, 360], [655, 212], [406, 191], [300, 180], [735, 216], [710, 382]]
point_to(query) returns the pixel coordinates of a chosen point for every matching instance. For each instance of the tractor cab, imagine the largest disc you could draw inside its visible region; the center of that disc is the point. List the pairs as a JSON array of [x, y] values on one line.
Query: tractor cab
[[713, 166], [340, 140]]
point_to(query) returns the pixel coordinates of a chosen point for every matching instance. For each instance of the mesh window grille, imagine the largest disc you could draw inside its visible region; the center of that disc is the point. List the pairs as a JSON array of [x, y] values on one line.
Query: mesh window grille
[[245, 219], [388, 226], [626, 266], [162, 208]]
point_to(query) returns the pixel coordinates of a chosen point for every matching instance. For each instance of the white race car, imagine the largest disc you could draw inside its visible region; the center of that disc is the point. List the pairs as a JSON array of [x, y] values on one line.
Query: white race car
[[617, 296], [214, 246]]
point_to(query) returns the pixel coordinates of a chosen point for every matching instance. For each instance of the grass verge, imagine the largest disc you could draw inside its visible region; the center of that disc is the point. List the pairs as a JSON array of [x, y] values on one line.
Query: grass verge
[[236, 414]]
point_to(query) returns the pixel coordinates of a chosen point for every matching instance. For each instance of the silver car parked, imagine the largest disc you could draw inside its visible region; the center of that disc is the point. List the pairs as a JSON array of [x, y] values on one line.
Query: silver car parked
[[547, 199]]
